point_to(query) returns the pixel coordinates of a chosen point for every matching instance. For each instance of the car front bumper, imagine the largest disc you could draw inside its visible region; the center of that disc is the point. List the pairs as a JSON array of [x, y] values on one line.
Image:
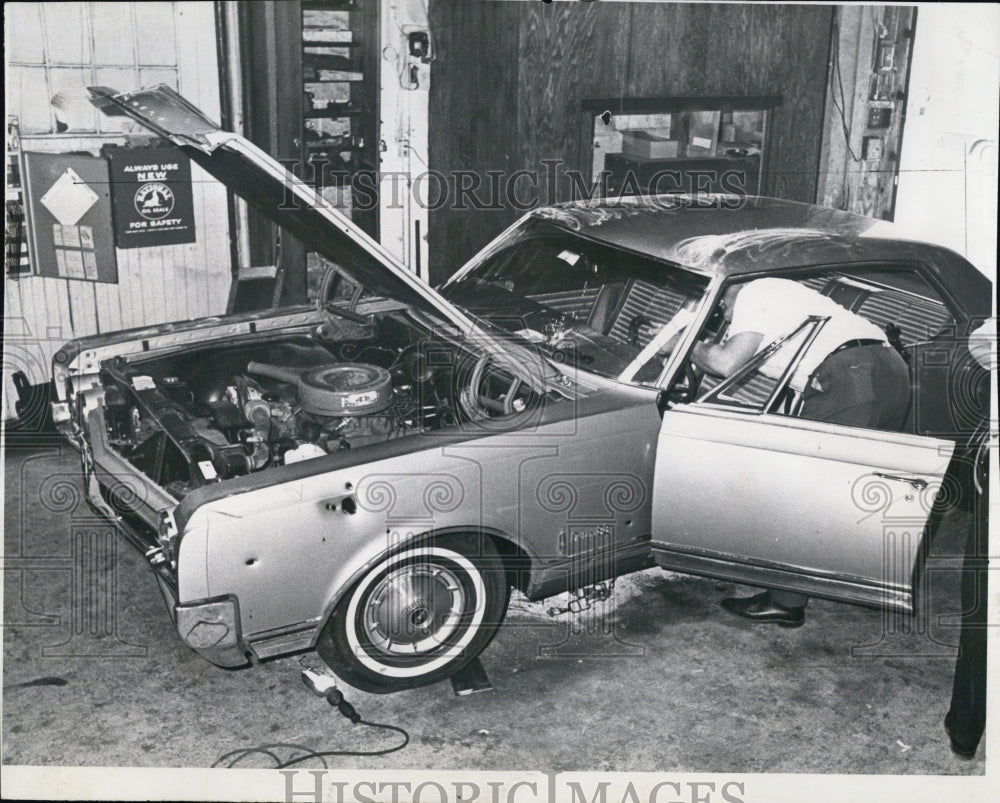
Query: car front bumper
[[211, 628]]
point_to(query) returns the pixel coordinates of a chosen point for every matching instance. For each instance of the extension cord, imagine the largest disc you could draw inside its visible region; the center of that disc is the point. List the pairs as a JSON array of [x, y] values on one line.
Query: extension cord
[[324, 684], [318, 682]]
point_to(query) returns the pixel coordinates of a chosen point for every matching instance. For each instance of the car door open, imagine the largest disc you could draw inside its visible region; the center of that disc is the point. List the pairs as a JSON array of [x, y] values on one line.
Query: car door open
[[747, 493], [769, 500]]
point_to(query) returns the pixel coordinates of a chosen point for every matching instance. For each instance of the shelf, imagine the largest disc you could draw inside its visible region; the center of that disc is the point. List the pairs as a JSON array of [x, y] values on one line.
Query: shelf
[[334, 112], [328, 61], [724, 103], [325, 43], [324, 37], [347, 78], [338, 149], [341, 49], [330, 5]]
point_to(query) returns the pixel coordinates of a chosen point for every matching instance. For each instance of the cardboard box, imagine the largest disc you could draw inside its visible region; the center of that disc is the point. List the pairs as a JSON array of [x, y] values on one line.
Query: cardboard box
[[649, 145]]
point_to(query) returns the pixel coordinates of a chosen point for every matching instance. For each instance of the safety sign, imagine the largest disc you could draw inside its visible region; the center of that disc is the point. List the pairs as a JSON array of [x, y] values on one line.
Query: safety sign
[[151, 197]]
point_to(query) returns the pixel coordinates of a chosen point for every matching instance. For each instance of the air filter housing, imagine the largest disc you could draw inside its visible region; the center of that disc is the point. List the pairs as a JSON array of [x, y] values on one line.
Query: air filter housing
[[345, 389], [342, 389]]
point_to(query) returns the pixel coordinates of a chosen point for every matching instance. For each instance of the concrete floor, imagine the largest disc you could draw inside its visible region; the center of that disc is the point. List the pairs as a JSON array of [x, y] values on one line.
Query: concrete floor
[[667, 682]]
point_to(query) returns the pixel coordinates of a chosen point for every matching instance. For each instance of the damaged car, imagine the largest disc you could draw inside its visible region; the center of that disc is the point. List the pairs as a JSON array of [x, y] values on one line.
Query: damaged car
[[369, 476]]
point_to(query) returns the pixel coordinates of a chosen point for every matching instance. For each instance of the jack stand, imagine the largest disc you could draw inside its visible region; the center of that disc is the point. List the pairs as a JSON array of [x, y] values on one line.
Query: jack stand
[[471, 679]]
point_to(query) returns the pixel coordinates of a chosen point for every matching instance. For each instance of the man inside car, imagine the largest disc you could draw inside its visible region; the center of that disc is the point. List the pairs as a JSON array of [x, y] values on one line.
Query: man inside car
[[849, 375]]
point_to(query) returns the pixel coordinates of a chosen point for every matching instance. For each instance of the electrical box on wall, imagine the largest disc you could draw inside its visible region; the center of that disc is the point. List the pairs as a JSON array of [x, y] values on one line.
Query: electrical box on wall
[[871, 149], [880, 117], [419, 44]]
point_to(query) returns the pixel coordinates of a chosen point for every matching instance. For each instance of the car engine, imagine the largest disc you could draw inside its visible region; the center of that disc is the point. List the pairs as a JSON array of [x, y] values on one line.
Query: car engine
[[191, 422]]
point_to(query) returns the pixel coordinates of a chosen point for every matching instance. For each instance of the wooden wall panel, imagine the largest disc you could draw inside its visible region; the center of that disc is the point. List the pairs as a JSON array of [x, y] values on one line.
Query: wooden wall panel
[[744, 49], [566, 51], [535, 62], [803, 33], [668, 49], [473, 117]]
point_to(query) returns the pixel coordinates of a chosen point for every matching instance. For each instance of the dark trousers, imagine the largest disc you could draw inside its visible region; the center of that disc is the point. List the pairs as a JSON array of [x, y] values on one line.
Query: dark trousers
[[866, 386], [968, 693]]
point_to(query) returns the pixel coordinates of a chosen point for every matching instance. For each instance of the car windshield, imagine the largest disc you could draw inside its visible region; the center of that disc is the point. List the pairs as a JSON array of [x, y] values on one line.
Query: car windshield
[[607, 310]]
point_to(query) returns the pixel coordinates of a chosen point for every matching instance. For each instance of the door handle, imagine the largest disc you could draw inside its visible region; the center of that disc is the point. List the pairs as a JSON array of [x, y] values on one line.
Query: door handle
[[918, 483]]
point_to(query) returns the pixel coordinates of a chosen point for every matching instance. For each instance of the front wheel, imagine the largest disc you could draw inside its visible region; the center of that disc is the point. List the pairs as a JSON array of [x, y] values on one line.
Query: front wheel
[[418, 616]]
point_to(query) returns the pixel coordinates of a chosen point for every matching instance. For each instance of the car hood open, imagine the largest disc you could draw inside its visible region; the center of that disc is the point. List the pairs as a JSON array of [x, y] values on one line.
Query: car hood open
[[267, 185]]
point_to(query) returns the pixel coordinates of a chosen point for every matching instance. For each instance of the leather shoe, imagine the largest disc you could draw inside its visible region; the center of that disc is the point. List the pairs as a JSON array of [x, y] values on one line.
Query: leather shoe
[[957, 747], [761, 608]]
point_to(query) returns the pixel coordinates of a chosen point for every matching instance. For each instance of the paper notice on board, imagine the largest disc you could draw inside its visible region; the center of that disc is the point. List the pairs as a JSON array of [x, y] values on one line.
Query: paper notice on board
[[71, 236], [74, 264], [90, 265]]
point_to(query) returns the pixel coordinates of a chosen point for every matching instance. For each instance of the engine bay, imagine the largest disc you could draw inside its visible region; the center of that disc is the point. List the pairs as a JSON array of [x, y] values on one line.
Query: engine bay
[[223, 411]]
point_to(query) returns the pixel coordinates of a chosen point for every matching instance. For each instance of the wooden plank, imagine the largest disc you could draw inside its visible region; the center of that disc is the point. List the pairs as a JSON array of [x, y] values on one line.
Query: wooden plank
[[668, 47], [81, 301], [33, 306], [215, 260], [197, 65], [58, 320], [566, 52], [172, 273], [217, 291], [185, 277], [122, 290], [30, 341], [109, 309], [151, 282], [800, 37], [136, 295], [12, 306], [50, 324], [469, 128], [196, 259]]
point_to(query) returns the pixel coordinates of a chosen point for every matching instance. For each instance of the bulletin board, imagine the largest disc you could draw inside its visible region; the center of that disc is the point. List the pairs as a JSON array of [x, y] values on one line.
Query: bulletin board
[[69, 216]]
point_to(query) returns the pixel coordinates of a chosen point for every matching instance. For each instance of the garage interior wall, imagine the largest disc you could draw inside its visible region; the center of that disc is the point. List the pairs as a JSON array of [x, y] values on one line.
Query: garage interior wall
[[508, 79], [60, 49], [866, 108], [947, 190]]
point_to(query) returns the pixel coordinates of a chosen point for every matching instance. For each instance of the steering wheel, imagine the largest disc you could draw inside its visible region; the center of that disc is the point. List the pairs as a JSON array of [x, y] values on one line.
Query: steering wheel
[[686, 390], [476, 403]]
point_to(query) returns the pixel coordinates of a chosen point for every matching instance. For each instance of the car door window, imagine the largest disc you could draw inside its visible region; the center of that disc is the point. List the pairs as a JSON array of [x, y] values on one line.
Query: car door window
[[753, 390]]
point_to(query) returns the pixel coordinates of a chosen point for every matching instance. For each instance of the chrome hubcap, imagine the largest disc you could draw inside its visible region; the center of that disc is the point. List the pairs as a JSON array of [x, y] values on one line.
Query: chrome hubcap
[[414, 609]]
